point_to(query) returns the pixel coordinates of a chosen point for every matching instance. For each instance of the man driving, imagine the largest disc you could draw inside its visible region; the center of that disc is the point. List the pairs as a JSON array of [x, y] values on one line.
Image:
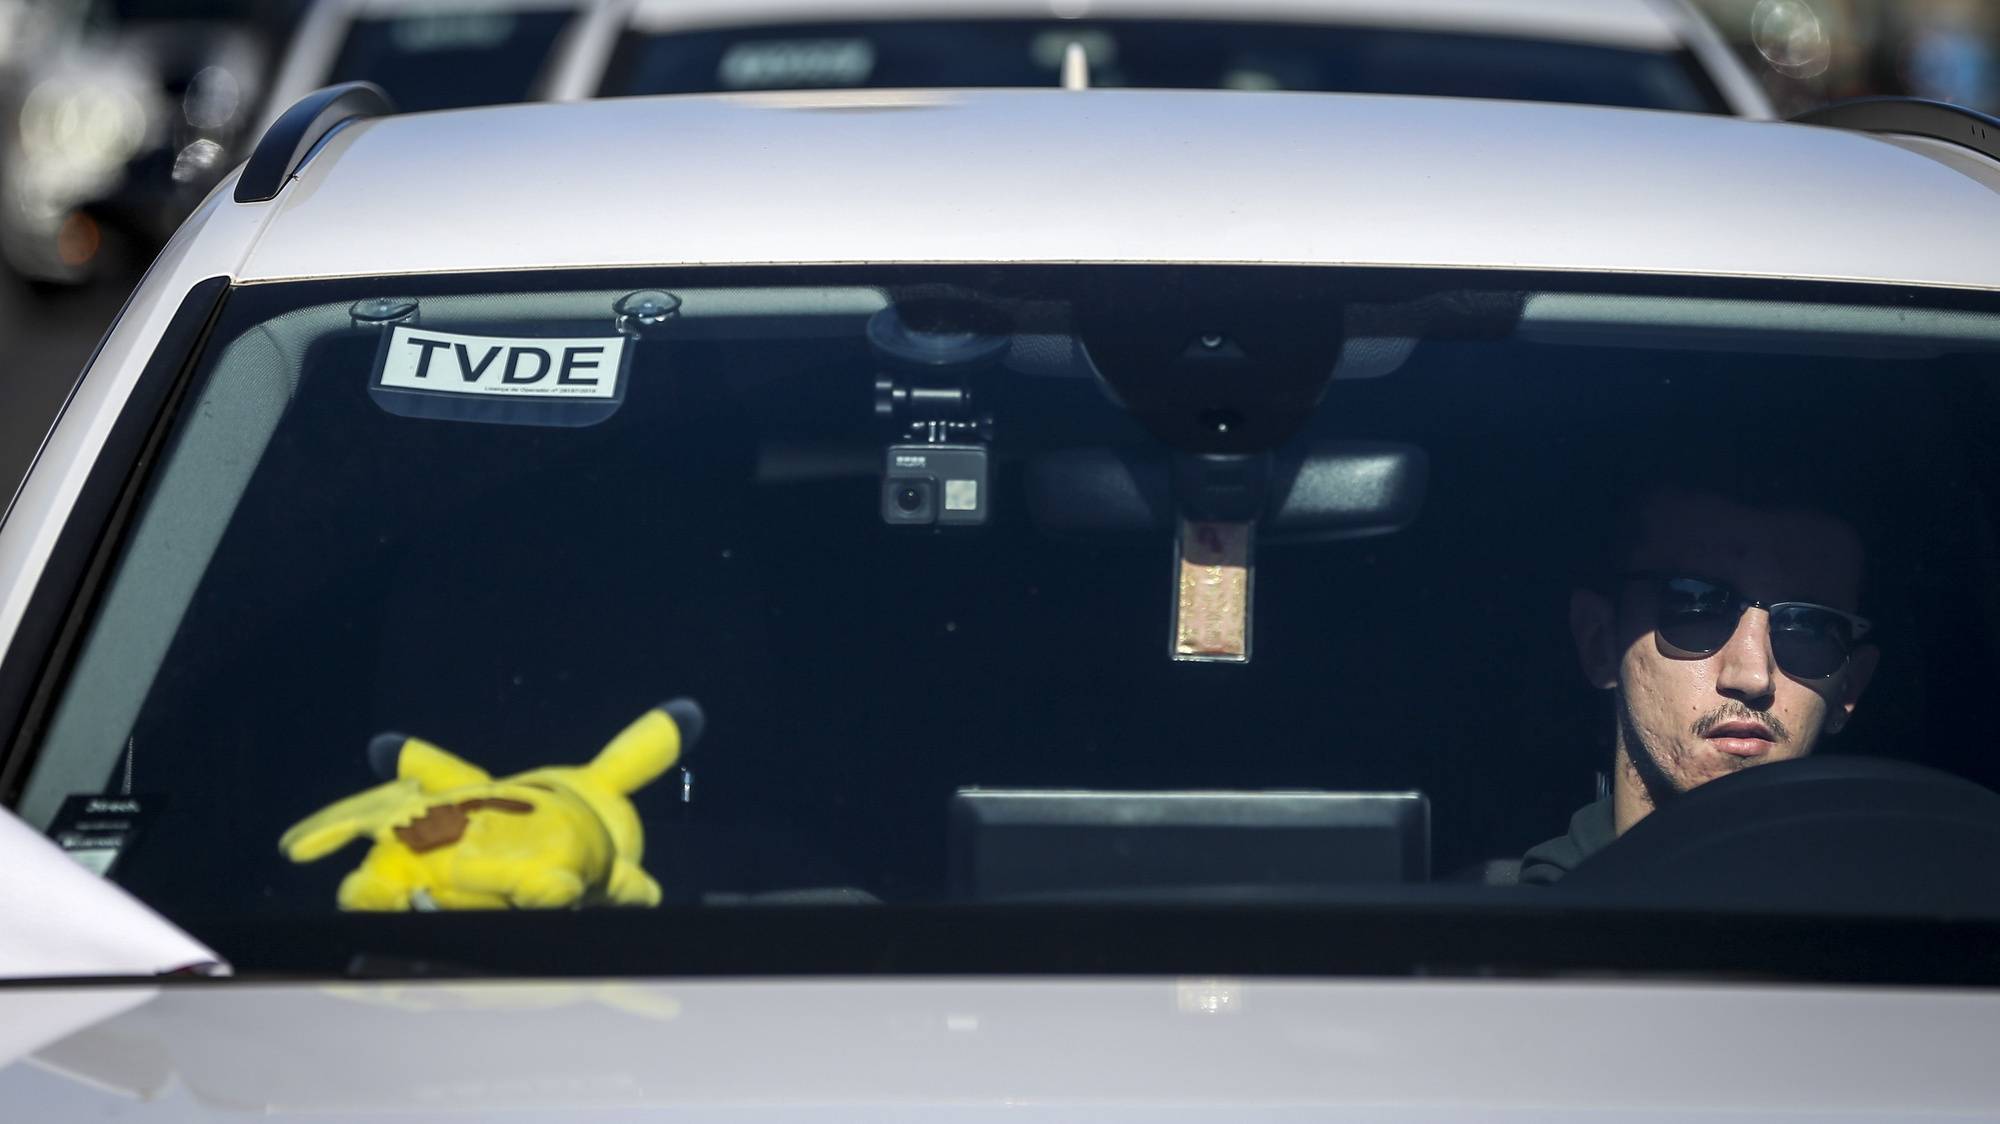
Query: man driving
[[1726, 634]]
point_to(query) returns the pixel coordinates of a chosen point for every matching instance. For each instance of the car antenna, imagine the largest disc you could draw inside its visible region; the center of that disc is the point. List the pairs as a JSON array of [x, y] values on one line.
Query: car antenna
[[1075, 67]]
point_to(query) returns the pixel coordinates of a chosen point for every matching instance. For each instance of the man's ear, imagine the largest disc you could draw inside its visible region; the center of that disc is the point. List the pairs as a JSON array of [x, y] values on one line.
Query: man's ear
[[1591, 624], [1854, 680]]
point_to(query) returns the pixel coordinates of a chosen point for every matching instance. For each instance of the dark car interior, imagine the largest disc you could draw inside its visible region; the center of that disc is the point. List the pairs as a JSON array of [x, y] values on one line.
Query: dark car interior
[[517, 593]]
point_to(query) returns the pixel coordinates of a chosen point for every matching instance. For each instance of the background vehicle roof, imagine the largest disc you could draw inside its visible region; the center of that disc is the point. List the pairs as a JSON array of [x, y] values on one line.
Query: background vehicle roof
[[320, 35], [1118, 176], [1628, 23], [1653, 25]]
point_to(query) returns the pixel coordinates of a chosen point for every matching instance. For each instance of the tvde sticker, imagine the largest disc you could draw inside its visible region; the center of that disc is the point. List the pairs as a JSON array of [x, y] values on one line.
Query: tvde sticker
[[511, 380]]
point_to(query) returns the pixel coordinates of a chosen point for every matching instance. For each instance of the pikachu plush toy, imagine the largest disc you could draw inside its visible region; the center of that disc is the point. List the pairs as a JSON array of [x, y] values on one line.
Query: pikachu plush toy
[[447, 835]]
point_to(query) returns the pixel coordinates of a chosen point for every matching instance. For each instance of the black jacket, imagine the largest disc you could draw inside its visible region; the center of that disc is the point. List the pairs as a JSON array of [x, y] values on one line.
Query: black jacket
[[1591, 830]]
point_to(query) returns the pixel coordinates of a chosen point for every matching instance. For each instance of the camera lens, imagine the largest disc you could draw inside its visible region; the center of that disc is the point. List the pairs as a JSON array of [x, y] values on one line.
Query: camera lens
[[909, 497]]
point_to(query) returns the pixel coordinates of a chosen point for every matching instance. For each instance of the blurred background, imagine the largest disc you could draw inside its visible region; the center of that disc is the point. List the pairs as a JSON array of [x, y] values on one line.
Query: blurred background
[[118, 116]]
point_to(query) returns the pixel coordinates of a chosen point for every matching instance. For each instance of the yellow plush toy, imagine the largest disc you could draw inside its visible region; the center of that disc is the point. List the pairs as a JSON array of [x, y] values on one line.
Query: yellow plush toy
[[448, 835]]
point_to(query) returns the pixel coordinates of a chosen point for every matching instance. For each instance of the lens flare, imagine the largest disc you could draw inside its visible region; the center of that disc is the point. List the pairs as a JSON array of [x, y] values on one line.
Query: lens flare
[[1790, 36]]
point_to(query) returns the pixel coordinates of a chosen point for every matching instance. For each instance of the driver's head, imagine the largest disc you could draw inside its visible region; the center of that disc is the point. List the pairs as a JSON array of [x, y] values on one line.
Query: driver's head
[[1724, 623]]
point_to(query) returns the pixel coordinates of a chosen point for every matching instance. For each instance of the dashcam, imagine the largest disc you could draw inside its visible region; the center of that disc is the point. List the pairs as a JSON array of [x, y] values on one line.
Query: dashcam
[[935, 485]]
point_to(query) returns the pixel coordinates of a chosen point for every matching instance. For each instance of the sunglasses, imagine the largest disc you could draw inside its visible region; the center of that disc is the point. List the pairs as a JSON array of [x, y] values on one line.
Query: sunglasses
[[1696, 617]]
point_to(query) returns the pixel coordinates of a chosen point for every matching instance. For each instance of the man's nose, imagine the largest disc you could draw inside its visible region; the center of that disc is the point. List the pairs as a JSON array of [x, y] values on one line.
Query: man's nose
[[1746, 667]]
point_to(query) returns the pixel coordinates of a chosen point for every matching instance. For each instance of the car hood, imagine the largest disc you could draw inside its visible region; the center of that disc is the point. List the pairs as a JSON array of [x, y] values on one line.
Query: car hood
[[1042, 1049]]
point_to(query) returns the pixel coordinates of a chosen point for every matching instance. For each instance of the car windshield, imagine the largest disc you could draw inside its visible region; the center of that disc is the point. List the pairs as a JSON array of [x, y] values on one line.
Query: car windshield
[[1040, 585], [446, 59], [1171, 54]]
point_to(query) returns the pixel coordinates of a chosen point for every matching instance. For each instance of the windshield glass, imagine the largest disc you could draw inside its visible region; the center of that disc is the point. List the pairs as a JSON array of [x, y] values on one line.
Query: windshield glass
[[1043, 584], [1161, 54], [446, 59]]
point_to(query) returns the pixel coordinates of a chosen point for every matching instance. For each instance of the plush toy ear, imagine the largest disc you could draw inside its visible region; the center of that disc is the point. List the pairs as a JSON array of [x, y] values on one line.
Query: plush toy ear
[[648, 747], [337, 824], [432, 768]]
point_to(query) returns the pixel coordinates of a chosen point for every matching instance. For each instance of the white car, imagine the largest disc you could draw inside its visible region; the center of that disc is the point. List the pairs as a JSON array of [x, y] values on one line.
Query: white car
[[1660, 54], [1119, 614], [428, 54]]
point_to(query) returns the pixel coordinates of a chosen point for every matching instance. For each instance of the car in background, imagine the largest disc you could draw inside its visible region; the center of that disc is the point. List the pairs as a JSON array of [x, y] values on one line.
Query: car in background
[[426, 54], [119, 115], [1125, 594], [76, 106], [209, 61], [1660, 54]]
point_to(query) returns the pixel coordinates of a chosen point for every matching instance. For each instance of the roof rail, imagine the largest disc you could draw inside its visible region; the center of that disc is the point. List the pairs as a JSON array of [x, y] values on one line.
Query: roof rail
[[284, 147], [1917, 117]]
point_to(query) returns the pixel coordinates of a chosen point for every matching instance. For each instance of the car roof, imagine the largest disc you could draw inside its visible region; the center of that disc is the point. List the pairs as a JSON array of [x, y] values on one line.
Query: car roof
[[1129, 176], [1629, 23]]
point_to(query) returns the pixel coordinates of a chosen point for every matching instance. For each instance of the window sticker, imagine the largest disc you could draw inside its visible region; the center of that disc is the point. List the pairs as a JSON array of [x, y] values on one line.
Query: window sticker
[[511, 380], [779, 63], [451, 31], [97, 830]]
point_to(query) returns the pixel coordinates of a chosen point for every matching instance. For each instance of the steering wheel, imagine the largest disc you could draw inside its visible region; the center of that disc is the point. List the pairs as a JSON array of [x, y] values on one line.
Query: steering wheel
[[1815, 834]]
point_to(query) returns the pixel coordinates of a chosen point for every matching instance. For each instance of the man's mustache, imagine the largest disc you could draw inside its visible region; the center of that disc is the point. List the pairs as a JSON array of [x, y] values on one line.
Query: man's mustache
[[1737, 712]]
